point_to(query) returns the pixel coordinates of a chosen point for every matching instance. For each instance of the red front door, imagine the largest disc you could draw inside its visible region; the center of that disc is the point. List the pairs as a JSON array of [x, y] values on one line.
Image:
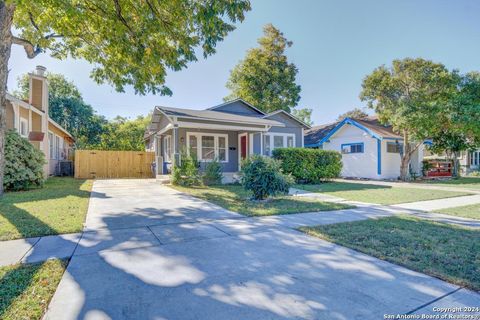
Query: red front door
[[243, 147]]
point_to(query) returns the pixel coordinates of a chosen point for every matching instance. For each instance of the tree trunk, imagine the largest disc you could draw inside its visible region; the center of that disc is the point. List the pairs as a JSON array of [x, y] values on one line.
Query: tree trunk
[[405, 158], [456, 165], [6, 19], [404, 166]]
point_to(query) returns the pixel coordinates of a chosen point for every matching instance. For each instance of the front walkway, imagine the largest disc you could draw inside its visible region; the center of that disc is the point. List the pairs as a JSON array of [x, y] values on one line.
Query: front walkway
[[153, 253]]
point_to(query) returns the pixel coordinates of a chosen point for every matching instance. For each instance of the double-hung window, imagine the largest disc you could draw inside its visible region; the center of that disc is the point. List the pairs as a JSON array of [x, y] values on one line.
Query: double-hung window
[[208, 146], [57, 147], [51, 145], [475, 158], [23, 127], [352, 148], [393, 147], [277, 140], [167, 148]]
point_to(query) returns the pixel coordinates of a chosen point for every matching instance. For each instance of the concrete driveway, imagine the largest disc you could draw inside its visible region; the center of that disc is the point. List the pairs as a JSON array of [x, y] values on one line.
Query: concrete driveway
[[153, 253]]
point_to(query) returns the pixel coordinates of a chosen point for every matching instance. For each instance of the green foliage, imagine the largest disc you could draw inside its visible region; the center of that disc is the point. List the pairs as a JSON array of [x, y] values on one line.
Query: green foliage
[[186, 172], [23, 163], [123, 134], [426, 166], [263, 177], [265, 78], [304, 115], [355, 113], [410, 95], [475, 173], [129, 42], [67, 108], [413, 96], [212, 174], [309, 165]]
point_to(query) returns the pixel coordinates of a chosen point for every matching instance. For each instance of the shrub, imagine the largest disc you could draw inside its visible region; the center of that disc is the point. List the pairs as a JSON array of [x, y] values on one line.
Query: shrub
[[186, 172], [309, 165], [426, 166], [263, 177], [23, 163], [213, 173]]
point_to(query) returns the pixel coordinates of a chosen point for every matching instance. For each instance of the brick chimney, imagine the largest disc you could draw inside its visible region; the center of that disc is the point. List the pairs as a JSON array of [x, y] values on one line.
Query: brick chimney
[[38, 98], [39, 89]]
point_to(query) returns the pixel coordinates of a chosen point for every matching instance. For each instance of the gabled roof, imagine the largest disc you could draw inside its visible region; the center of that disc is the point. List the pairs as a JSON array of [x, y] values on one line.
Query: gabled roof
[[26, 105], [371, 125], [316, 133], [306, 126], [211, 115], [236, 100]]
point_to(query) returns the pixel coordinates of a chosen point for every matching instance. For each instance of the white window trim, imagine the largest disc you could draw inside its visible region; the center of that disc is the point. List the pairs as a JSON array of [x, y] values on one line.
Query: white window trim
[[25, 121], [51, 145], [278, 134], [215, 144], [166, 156]]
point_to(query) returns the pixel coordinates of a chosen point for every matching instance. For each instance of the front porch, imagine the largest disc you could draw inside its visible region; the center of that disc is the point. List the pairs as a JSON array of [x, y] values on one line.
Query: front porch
[[229, 147]]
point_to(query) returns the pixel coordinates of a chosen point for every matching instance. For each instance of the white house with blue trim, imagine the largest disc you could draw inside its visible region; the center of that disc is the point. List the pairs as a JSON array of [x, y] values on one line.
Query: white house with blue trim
[[369, 149]]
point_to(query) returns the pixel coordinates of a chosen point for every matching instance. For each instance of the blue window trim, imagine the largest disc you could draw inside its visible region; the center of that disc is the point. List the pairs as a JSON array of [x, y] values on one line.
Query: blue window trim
[[350, 144], [379, 157]]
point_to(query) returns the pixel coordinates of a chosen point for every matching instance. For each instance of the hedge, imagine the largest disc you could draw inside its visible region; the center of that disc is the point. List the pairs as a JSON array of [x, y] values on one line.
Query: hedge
[[23, 163], [309, 165]]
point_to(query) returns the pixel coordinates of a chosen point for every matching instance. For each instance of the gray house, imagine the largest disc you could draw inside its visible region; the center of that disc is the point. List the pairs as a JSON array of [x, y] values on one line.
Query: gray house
[[228, 132]]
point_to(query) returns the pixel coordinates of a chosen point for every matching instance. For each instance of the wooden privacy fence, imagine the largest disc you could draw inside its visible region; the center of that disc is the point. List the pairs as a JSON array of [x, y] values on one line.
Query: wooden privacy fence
[[90, 164]]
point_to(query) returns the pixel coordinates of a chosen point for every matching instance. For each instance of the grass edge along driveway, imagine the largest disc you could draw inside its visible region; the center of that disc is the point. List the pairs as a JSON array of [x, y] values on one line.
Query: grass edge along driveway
[[59, 207], [470, 211], [26, 289], [448, 252], [377, 194], [235, 198]]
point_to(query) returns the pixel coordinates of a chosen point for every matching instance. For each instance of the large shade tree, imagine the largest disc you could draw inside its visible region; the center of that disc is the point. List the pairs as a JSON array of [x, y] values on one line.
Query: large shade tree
[[412, 95], [124, 134], [460, 129], [129, 42], [264, 77], [355, 113]]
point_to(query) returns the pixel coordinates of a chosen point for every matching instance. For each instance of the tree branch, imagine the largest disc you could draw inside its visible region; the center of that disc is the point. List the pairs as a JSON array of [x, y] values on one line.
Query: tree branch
[[31, 50], [32, 21], [118, 11]]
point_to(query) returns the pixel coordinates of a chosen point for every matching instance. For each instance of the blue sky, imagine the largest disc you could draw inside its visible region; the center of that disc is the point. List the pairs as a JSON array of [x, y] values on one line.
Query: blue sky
[[335, 44]]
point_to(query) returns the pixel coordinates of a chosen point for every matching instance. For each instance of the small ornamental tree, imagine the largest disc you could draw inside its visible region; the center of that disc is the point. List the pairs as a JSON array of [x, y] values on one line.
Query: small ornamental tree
[[212, 174], [23, 163], [263, 177], [186, 172]]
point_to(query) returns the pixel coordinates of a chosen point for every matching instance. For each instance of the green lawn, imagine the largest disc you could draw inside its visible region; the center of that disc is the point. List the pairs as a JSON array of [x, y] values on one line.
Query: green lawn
[[372, 193], [472, 183], [235, 198], [471, 211], [448, 252], [26, 290], [59, 207]]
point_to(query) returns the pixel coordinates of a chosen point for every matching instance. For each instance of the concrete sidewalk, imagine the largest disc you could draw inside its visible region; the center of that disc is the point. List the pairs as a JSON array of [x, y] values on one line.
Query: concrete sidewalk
[[438, 204]]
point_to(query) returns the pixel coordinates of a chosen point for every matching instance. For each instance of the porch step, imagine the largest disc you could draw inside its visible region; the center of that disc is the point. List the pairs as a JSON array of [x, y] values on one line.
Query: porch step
[[163, 179]]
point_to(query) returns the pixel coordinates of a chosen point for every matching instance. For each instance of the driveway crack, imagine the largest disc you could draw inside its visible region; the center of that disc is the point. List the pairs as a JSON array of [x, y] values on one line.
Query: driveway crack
[[434, 300]]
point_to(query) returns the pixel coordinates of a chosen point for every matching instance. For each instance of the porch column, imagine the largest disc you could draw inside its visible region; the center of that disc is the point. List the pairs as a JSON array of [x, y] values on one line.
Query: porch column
[[158, 154], [176, 153]]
